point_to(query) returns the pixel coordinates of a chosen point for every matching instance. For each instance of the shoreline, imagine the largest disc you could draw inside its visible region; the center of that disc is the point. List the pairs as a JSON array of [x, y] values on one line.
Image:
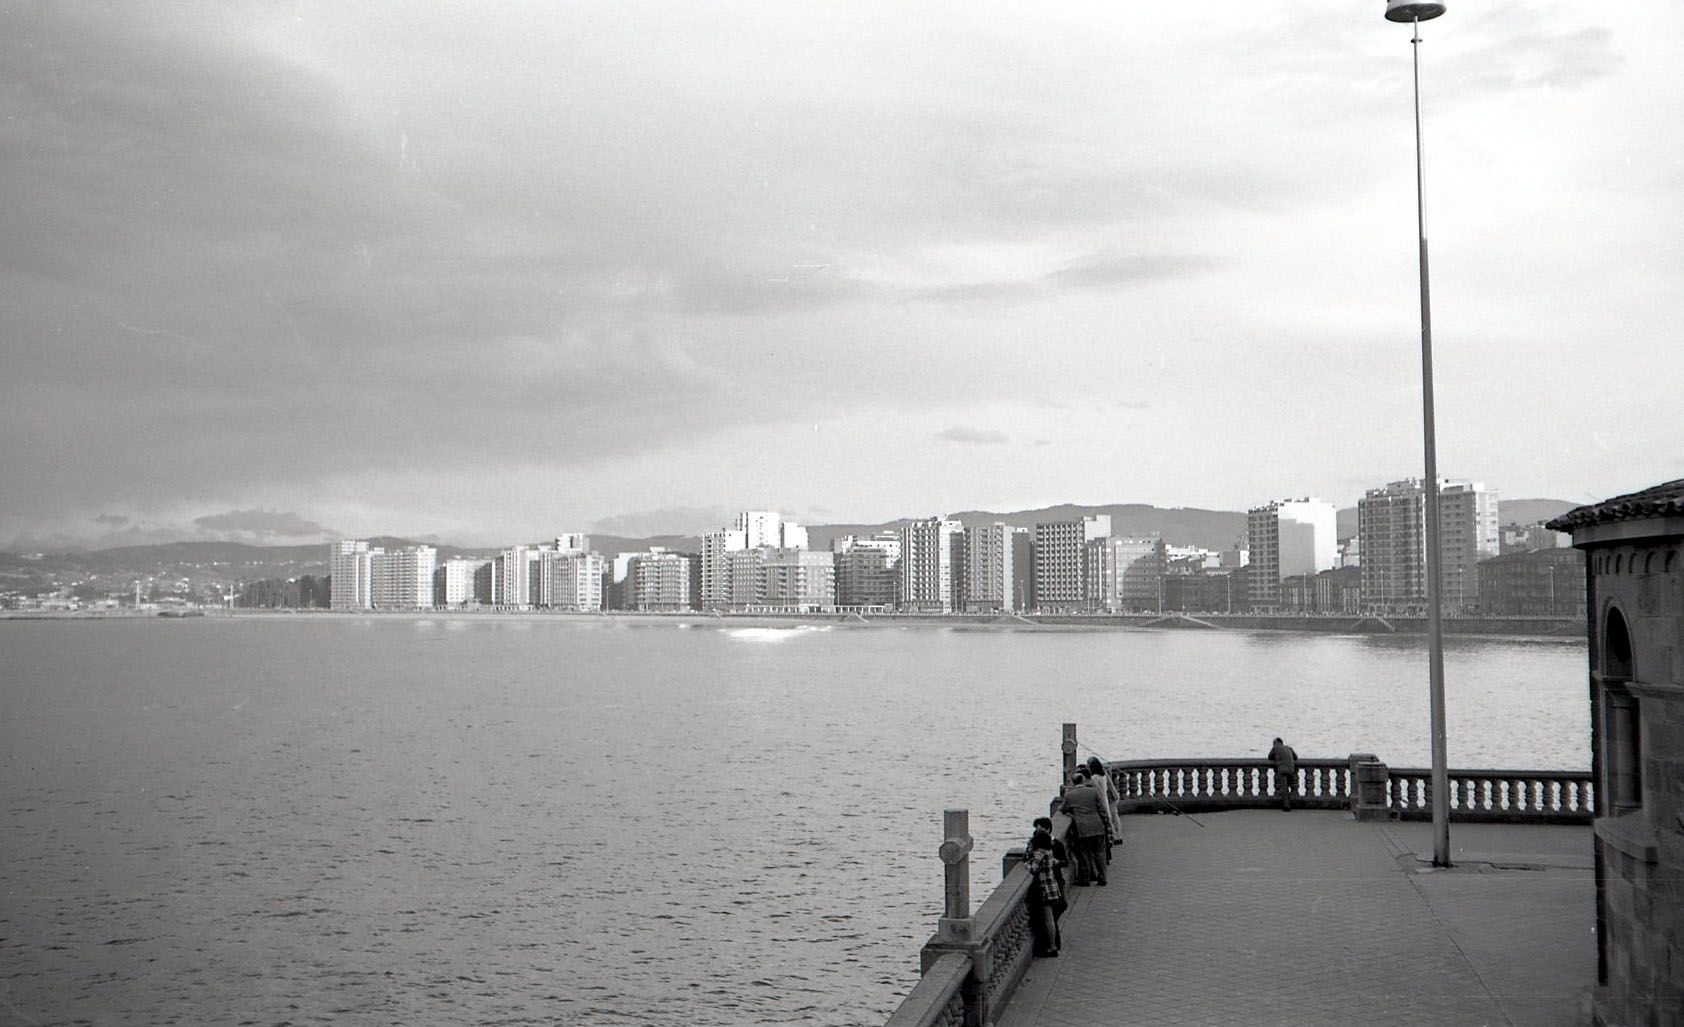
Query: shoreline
[[1571, 628]]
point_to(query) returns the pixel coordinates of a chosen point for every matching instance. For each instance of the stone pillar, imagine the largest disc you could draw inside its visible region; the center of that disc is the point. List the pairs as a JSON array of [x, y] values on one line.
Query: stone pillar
[[956, 926], [1370, 788]]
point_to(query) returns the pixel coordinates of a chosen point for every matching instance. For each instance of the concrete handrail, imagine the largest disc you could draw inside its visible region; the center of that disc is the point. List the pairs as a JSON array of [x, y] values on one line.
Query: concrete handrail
[[938, 999]]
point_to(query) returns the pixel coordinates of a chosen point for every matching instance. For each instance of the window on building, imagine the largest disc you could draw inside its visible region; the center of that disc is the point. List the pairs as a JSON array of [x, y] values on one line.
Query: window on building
[[1621, 718]]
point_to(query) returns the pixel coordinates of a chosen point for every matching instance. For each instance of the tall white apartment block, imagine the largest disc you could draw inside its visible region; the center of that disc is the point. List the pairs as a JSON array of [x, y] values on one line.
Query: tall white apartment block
[[1060, 560], [768, 528], [659, 580], [717, 547], [1392, 533], [348, 563], [1469, 533], [512, 576], [567, 580], [1287, 538], [926, 565], [988, 569], [403, 578], [457, 580], [752, 530]]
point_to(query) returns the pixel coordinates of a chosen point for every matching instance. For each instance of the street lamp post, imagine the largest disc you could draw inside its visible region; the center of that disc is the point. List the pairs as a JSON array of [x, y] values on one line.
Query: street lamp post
[[1413, 14]]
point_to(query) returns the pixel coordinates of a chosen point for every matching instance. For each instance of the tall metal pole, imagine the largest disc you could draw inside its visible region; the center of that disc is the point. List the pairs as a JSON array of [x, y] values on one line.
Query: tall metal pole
[[1435, 565]]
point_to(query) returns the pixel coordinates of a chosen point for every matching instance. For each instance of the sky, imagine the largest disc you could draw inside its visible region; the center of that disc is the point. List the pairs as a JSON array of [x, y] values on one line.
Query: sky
[[488, 272]]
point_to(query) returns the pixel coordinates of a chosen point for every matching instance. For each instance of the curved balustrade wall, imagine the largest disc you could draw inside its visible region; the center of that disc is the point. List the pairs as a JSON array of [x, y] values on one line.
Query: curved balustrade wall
[[970, 984], [1210, 785]]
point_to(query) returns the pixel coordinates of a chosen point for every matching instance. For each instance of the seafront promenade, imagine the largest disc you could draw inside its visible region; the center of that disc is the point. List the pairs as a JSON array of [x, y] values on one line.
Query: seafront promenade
[[1257, 917], [1221, 908]]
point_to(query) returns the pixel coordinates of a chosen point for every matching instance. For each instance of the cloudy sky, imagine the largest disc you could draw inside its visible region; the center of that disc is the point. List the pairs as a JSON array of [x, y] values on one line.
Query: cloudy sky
[[487, 272]]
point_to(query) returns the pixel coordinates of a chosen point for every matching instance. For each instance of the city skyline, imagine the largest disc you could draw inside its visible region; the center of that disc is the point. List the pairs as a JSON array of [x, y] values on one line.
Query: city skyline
[[277, 273]]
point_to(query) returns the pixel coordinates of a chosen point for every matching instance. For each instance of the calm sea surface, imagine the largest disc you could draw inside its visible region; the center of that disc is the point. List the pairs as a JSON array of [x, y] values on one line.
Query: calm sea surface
[[511, 820]]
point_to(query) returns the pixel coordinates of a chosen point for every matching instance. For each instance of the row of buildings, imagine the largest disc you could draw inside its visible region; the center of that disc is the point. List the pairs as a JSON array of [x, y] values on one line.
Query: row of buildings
[[1298, 564], [1291, 561]]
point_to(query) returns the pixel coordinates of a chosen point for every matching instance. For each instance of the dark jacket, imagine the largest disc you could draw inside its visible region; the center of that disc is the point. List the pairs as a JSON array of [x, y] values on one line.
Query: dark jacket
[[1087, 810]]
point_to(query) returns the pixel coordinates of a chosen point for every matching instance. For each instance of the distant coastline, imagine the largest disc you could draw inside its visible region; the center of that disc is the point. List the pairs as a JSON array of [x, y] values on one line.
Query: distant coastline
[[1547, 627]]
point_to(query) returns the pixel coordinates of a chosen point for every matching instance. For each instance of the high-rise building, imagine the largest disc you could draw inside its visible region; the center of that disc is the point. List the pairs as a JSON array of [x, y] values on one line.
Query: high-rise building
[[1124, 573], [456, 582], [799, 579], [1468, 527], [1392, 533], [1023, 569], [512, 576], [926, 565], [660, 581], [865, 576], [987, 581], [1060, 560], [348, 566], [1289, 538], [717, 547], [745, 577], [403, 578], [566, 580], [752, 530]]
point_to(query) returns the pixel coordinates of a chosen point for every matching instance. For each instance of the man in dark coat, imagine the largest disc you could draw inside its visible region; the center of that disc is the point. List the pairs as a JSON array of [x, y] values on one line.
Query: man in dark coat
[[1086, 809], [1286, 772]]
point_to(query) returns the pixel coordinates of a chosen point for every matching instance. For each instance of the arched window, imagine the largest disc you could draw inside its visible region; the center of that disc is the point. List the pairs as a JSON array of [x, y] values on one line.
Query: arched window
[[1619, 562], [1621, 717], [1671, 561], [1648, 563]]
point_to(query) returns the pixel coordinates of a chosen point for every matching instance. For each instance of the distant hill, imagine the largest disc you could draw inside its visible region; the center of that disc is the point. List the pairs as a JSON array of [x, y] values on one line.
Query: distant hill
[[1509, 511], [1531, 511]]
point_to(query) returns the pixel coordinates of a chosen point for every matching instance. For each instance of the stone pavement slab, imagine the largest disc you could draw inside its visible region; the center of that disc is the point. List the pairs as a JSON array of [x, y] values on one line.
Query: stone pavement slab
[[1260, 917]]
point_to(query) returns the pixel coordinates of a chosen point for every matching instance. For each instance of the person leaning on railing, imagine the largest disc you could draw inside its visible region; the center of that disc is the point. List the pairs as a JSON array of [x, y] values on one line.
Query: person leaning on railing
[[1108, 791], [1046, 893], [1085, 807], [1285, 760]]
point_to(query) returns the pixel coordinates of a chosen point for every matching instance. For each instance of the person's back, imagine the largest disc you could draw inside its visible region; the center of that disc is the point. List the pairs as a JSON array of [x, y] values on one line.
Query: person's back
[[1086, 809], [1285, 759]]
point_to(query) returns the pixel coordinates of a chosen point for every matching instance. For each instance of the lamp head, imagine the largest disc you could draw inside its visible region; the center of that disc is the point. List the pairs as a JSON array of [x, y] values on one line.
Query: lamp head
[[1407, 11]]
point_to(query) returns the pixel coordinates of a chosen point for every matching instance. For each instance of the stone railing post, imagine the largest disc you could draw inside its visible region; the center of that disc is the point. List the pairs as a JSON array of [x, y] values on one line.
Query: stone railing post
[[956, 926], [1069, 749], [1370, 787]]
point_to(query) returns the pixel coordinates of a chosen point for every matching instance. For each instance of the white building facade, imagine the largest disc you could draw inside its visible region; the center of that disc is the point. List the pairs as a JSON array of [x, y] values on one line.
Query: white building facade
[[1289, 538]]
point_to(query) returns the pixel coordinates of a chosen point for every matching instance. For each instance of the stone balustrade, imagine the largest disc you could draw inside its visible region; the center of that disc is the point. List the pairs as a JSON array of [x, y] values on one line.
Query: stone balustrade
[[1208, 785], [1497, 796], [973, 964]]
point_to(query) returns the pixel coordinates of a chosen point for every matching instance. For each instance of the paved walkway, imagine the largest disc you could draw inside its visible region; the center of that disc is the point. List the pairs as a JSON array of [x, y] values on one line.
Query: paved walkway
[[1311, 918]]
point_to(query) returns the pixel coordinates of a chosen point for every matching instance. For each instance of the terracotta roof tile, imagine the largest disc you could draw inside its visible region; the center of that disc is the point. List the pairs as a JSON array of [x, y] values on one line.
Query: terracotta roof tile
[[1665, 500]]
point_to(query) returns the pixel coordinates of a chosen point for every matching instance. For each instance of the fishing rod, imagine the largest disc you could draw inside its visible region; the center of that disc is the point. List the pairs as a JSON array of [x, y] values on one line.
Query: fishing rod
[[1156, 798]]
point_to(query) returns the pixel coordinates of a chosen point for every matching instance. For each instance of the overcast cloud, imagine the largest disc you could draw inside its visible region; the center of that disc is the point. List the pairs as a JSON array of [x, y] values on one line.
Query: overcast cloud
[[488, 273]]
